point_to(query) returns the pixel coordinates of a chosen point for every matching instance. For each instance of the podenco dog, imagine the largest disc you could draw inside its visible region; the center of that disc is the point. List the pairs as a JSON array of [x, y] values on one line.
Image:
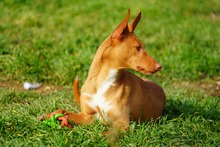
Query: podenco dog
[[113, 94]]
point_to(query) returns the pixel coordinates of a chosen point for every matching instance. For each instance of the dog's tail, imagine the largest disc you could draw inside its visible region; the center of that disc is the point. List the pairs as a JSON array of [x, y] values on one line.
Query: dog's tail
[[76, 92]]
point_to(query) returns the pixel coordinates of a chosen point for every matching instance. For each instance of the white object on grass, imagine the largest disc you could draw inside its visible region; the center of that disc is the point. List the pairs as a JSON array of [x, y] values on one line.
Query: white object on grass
[[28, 85]]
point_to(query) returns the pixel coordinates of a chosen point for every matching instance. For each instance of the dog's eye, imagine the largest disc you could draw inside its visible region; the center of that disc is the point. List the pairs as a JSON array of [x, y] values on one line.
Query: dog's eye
[[138, 47]]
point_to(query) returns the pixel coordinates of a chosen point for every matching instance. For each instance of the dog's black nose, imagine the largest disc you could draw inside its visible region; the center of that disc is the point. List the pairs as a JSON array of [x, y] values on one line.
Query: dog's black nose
[[158, 66]]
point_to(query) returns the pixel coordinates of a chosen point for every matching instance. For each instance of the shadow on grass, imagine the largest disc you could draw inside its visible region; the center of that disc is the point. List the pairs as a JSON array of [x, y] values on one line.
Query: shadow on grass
[[209, 109]]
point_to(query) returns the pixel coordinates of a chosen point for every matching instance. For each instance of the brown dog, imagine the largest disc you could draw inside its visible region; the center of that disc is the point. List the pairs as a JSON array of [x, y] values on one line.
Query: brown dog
[[112, 93]]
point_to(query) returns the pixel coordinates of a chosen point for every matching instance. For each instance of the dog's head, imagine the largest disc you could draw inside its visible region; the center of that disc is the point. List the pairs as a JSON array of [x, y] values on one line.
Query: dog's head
[[127, 51]]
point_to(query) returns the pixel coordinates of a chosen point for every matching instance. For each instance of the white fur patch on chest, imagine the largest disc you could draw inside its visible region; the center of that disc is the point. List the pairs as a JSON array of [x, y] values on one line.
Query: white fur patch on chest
[[98, 98]]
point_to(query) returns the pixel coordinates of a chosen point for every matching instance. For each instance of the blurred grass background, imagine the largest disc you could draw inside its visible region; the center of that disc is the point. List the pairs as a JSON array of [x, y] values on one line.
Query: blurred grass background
[[53, 41]]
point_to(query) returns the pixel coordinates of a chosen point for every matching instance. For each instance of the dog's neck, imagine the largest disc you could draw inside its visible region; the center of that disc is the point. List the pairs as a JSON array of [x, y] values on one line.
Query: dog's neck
[[100, 69]]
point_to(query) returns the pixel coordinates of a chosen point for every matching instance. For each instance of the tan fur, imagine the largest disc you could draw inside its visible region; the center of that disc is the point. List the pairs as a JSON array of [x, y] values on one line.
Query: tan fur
[[76, 92], [127, 97]]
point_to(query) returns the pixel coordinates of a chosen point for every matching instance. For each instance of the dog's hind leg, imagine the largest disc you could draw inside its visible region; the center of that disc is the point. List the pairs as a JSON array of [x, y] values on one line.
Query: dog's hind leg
[[80, 118], [75, 118]]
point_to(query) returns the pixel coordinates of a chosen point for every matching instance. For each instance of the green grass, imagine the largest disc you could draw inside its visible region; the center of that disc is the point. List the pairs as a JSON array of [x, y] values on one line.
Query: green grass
[[53, 41]]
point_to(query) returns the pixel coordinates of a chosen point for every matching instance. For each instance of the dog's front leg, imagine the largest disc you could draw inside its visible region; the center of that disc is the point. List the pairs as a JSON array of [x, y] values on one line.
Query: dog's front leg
[[119, 125], [120, 121]]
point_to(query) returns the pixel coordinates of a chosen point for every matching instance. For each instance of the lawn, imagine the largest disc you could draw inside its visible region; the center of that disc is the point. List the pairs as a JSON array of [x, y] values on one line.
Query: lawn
[[53, 41]]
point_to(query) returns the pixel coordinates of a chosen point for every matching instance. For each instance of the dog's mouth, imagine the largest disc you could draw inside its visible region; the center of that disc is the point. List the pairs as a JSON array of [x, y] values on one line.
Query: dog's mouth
[[144, 71]]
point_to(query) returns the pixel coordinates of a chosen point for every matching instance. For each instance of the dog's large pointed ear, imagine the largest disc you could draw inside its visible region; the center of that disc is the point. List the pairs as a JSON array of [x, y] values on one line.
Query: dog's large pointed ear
[[134, 23], [122, 28]]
